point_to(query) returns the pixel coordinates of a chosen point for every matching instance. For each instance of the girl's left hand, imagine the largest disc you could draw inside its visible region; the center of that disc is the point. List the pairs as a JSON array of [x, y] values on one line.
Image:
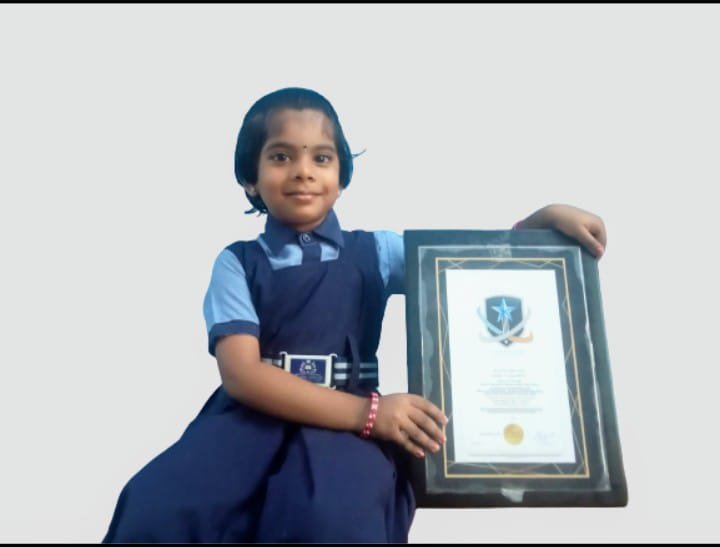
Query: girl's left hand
[[583, 226]]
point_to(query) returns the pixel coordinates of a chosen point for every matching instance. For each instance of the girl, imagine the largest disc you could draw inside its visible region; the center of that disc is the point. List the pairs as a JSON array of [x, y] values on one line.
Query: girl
[[296, 444]]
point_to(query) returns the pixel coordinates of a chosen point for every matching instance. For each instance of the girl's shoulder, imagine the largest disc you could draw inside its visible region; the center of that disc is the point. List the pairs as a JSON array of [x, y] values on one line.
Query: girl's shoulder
[[236, 252], [377, 234], [241, 243], [379, 238]]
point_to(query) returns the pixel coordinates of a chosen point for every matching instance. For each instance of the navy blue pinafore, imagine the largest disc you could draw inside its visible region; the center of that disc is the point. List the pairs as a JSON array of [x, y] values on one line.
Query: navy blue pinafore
[[237, 475]]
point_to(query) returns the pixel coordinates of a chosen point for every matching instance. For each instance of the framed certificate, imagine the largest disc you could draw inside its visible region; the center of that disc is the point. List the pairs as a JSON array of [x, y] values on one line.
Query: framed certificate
[[505, 334]]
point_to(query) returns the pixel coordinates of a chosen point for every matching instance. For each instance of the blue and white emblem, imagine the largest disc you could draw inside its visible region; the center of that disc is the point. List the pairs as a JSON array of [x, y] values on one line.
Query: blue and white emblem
[[309, 369], [503, 317]]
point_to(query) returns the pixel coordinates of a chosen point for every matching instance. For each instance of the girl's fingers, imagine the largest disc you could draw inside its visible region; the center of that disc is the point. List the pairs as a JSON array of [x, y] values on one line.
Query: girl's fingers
[[597, 229], [428, 425], [593, 245], [420, 437], [407, 443], [431, 410]]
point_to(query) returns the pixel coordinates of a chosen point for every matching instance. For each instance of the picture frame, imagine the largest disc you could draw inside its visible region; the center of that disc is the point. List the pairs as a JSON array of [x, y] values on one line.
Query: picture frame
[[506, 335]]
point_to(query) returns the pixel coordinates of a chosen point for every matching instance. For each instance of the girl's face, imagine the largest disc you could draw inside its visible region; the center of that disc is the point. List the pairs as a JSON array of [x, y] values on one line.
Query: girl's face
[[299, 169]]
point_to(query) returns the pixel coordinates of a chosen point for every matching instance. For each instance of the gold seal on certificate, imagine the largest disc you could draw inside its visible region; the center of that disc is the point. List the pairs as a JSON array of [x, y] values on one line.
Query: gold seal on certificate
[[513, 434]]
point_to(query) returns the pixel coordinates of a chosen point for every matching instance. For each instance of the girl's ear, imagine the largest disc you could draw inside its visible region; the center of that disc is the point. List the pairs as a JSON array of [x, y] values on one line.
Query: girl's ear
[[250, 189]]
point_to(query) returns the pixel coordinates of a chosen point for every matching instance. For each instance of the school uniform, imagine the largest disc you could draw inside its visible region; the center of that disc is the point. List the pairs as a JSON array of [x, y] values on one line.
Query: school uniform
[[238, 475]]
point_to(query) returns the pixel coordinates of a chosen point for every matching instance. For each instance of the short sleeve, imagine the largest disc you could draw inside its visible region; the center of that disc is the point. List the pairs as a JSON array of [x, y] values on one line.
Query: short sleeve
[[228, 307], [391, 259]]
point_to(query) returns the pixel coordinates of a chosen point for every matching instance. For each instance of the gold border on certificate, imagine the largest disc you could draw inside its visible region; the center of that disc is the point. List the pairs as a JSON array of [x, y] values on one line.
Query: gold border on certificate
[[530, 471]]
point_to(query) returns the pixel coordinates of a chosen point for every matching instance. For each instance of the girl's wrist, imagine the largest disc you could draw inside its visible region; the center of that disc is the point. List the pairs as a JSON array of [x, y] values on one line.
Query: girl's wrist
[[544, 218], [371, 416], [549, 216]]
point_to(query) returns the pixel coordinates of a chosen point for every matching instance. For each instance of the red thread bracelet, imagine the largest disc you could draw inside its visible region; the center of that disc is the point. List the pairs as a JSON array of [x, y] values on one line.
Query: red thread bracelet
[[372, 415]]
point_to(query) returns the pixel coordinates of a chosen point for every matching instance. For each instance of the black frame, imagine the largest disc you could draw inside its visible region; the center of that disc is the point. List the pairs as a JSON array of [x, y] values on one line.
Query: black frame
[[597, 477]]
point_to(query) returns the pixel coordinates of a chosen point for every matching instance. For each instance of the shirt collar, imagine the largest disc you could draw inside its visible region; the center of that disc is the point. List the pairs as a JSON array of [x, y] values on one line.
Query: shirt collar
[[277, 234]]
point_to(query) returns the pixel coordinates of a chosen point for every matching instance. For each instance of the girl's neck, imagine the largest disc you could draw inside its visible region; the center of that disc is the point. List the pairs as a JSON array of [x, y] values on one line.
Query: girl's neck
[[301, 227]]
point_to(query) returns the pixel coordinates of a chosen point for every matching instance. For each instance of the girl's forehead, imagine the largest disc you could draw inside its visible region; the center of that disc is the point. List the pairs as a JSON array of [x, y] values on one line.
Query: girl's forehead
[[306, 122]]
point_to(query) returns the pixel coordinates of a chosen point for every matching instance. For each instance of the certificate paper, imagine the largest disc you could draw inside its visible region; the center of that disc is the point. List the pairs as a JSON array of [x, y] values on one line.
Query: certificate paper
[[509, 391]]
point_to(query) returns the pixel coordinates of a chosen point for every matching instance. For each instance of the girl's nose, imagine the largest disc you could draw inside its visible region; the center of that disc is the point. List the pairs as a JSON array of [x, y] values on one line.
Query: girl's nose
[[303, 168]]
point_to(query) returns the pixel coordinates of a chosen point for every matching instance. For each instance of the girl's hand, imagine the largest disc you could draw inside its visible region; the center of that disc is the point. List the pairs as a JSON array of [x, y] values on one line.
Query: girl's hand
[[411, 421], [583, 226]]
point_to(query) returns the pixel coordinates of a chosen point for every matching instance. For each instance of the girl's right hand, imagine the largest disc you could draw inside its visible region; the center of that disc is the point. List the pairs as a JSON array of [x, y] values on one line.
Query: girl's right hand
[[411, 421]]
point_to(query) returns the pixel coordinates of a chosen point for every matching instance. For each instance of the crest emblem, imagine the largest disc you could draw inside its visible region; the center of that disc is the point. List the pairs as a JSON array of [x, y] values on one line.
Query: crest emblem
[[309, 369], [503, 317]]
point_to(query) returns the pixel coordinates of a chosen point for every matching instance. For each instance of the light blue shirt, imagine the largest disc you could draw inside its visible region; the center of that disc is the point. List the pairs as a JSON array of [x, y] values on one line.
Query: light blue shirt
[[228, 296]]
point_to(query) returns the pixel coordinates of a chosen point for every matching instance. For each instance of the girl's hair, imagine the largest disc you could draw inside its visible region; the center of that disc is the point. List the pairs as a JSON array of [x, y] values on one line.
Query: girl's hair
[[254, 133]]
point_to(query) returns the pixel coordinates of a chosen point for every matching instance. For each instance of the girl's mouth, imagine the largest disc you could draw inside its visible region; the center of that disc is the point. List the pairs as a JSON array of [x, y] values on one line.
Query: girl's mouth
[[302, 196]]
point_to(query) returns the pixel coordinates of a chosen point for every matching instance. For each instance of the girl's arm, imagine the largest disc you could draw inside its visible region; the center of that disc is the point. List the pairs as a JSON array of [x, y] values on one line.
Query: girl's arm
[[409, 420], [583, 226]]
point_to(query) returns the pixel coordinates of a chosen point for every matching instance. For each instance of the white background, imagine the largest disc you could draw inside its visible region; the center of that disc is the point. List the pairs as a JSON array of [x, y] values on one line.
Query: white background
[[117, 133]]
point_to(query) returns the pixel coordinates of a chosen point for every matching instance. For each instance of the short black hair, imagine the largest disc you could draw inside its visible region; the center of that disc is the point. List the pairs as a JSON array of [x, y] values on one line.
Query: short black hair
[[254, 133]]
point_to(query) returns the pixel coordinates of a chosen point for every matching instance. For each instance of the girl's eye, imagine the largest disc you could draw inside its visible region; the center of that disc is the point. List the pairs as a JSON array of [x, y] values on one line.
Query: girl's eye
[[279, 157], [323, 158]]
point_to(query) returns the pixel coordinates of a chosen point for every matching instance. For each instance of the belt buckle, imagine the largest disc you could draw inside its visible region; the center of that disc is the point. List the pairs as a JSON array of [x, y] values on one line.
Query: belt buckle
[[317, 369]]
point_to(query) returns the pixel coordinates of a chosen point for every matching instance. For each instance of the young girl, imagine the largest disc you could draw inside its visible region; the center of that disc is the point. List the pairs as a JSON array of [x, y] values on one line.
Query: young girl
[[296, 444]]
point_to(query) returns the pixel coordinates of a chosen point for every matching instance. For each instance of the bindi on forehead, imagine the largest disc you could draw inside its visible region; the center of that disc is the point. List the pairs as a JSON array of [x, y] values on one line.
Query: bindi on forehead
[[283, 145]]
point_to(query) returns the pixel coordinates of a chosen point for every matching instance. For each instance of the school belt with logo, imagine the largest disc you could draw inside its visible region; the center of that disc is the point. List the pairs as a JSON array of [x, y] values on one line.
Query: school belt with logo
[[328, 370]]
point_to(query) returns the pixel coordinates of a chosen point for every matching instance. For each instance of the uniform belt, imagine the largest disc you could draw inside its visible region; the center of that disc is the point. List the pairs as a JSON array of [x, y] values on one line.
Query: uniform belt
[[329, 370]]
